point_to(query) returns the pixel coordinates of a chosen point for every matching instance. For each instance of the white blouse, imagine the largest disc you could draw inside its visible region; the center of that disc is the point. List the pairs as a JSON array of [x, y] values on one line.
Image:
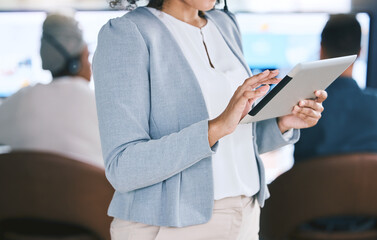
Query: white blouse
[[235, 168]]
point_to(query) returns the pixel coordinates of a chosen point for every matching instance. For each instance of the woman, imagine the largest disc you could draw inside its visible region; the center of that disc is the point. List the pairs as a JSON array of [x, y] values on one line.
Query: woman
[[171, 91]]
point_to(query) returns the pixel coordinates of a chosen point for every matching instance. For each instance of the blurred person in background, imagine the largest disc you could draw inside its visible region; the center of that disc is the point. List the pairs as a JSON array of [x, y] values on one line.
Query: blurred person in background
[[349, 124], [61, 116]]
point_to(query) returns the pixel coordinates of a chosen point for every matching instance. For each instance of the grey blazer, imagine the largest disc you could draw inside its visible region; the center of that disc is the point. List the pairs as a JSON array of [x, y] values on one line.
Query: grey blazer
[[154, 122]]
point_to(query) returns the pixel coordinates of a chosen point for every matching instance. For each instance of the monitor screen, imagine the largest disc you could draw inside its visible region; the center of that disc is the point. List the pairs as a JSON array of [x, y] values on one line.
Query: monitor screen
[[270, 41], [20, 62], [282, 40]]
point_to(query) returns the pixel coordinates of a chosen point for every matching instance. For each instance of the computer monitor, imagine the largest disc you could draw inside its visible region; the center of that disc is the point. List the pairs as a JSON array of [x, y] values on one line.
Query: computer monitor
[[281, 40], [20, 62], [270, 41]]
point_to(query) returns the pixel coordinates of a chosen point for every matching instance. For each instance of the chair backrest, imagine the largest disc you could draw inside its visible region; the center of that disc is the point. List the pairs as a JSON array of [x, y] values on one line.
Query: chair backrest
[[46, 186], [322, 187]]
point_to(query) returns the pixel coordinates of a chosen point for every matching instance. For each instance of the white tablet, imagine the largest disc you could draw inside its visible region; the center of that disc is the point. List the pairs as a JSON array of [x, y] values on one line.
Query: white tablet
[[299, 84]]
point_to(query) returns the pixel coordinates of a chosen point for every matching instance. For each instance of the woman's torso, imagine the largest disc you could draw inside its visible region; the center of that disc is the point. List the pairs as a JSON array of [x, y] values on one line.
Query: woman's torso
[[234, 165]]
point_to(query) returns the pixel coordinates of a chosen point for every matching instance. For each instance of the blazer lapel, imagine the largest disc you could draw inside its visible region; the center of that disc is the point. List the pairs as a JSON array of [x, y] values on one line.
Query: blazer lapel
[[186, 68]]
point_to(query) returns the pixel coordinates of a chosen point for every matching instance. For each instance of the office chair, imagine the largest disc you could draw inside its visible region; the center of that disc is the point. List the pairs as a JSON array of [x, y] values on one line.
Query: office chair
[[344, 185], [47, 196]]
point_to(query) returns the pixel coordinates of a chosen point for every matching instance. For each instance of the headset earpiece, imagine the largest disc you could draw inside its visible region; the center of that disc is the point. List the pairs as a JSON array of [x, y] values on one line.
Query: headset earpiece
[[73, 64]]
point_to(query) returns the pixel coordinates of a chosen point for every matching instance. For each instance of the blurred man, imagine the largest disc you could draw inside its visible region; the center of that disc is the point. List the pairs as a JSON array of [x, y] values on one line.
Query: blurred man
[[59, 117], [349, 122]]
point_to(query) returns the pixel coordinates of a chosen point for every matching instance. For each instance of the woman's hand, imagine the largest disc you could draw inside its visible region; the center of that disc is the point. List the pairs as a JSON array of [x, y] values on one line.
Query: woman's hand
[[305, 114], [240, 104]]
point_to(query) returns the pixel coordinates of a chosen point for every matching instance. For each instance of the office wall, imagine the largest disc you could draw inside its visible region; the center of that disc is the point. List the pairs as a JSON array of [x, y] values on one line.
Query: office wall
[[371, 7], [290, 5]]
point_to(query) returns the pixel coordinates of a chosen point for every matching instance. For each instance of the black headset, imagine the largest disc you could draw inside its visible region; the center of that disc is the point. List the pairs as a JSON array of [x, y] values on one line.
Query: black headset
[[225, 5], [73, 64]]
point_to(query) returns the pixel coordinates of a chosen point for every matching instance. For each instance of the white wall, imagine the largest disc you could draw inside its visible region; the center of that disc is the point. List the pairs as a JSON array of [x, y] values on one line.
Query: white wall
[[290, 5]]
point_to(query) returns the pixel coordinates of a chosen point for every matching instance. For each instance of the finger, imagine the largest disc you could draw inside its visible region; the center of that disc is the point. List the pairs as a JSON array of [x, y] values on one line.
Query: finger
[[321, 95], [305, 116], [311, 104], [267, 82], [248, 87], [257, 81], [308, 120], [273, 73], [254, 94], [310, 113], [261, 78], [271, 81]]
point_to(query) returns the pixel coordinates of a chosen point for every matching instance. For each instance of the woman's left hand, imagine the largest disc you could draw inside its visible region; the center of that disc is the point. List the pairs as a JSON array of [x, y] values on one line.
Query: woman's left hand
[[305, 114]]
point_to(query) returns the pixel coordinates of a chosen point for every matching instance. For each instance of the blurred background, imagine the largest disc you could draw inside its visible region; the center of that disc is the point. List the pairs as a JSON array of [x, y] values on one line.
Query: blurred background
[[276, 34], [282, 34]]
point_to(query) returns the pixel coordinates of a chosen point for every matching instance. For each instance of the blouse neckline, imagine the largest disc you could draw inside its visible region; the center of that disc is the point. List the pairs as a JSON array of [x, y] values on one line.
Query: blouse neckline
[[183, 23]]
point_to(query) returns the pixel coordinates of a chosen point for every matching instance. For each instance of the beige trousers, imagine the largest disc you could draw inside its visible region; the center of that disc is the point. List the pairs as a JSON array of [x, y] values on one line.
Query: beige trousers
[[234, 218]]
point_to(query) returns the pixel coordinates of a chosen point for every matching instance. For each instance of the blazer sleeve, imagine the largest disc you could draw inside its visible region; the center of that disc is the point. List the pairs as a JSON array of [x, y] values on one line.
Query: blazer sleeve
[[121, 74], [269, 137]]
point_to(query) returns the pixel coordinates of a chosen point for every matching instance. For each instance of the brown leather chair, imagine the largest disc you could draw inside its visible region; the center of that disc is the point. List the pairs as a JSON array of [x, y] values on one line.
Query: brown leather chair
[[46, 191], [344, 185]]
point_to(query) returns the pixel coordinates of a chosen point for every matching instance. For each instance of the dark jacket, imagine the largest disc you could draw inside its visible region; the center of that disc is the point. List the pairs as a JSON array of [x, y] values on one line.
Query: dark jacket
[[348, 124]]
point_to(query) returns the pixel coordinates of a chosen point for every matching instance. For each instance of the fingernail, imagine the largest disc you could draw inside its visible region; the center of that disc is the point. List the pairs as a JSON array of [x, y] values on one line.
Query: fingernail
[[266, 71], [302, 103]]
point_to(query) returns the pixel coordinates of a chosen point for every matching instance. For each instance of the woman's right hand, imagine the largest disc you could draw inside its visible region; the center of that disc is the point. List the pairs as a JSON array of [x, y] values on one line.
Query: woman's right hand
[[240, 104]]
